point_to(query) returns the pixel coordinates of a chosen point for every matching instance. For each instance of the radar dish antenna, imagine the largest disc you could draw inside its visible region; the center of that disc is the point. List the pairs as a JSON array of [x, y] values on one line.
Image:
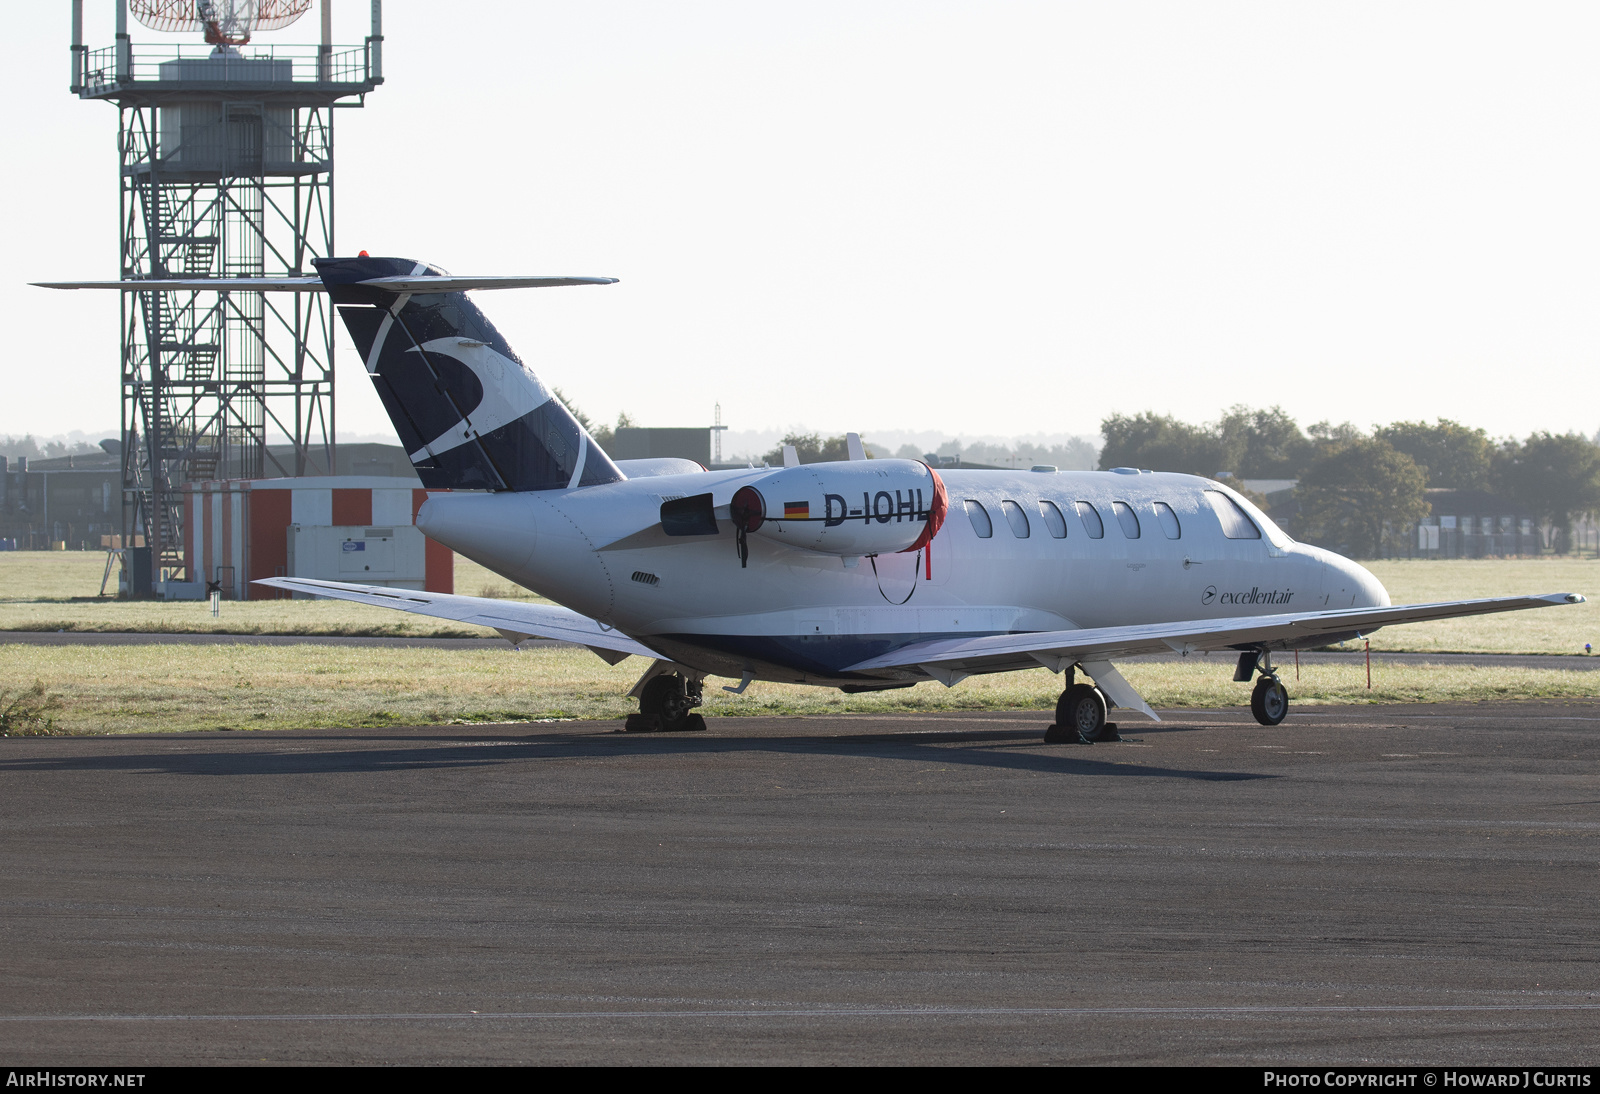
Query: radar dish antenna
[[226, 22]]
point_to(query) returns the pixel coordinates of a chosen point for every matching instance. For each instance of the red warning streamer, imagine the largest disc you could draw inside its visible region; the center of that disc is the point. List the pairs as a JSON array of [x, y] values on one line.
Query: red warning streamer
[[936, 514]]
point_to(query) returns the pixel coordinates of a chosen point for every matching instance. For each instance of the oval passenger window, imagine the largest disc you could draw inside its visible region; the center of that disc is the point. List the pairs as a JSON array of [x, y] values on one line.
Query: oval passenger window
[[1053, 519], [980, 519], [1091, 520], [1169, 520], [1127, 518], [1016, 518]]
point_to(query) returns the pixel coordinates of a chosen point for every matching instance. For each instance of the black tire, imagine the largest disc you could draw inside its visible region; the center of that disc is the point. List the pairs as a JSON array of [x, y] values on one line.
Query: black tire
[[1082, 708], [666, 698], [1269, 702]]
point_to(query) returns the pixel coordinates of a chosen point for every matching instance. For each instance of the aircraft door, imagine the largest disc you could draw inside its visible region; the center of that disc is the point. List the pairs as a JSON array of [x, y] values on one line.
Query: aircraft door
[[1205, 560]]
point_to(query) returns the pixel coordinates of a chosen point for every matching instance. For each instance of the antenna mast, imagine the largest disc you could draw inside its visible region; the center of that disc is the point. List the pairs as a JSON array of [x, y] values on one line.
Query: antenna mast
[[226, 171], [716, 434]]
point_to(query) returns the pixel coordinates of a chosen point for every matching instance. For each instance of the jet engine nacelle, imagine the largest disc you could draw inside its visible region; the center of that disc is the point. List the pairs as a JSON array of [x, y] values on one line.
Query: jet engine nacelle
[[860, 507]]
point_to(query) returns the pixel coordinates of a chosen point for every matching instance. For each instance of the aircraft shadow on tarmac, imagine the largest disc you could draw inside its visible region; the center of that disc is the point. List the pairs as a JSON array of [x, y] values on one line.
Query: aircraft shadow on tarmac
[[432, 752]]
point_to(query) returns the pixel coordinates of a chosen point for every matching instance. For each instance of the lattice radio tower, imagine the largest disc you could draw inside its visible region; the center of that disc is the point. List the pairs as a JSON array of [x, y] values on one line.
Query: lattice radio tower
[[226, 170]]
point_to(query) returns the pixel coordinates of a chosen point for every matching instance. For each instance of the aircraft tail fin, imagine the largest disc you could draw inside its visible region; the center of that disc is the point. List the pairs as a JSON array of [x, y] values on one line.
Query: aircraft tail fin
[[471, 415]]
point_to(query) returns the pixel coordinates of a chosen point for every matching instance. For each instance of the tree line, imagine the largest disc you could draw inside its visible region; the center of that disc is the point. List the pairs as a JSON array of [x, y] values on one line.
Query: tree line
[[1078, 454], [1351, 483], [28, 447]]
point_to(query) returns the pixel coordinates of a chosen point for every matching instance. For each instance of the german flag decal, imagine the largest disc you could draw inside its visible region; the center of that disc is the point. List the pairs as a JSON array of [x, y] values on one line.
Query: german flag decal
[[797, 510]]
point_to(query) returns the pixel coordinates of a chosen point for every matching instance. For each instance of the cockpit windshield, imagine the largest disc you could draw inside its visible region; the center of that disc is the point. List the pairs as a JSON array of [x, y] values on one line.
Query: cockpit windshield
[[1236, 514]]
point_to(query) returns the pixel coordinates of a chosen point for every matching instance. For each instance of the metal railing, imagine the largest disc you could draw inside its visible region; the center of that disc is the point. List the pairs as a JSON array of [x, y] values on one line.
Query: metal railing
[[251, 64]]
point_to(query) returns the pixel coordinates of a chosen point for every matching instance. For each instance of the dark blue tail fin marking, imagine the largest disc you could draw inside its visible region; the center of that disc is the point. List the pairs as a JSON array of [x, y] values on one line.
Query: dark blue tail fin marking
[[467, 409]]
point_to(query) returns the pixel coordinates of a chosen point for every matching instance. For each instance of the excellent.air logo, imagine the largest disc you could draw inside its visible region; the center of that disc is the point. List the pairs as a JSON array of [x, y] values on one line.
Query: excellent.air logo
[[1254, 596]]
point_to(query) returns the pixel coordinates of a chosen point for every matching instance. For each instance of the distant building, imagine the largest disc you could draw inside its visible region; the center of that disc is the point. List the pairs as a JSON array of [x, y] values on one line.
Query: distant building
[[66, 503], [74, 502], [1274, 490], [934, 460], [354, 525], [639, 443], [1473, 524], [382, 460], [358, 528]]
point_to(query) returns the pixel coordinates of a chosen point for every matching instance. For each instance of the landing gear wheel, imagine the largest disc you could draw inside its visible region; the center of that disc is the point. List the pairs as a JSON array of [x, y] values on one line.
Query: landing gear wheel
[[667, 700], [1269, 702], [1082, 708]]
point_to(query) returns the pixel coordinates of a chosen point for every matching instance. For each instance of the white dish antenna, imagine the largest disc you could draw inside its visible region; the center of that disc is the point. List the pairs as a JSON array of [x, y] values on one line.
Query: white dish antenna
[[225, 22]]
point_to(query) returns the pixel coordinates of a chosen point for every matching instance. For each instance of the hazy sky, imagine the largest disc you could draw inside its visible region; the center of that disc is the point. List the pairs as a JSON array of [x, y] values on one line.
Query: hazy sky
[[995, 218]]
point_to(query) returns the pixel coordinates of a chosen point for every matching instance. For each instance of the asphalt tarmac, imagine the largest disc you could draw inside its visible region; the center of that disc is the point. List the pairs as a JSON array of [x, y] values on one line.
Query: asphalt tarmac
[[1402, 884]]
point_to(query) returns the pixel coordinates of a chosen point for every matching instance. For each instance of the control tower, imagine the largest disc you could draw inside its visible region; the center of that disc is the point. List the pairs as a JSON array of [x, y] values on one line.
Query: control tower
[[225, 170]]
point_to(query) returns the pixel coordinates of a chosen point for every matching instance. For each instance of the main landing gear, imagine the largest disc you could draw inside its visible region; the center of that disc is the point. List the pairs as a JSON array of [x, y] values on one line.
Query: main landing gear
[[1080, 716], [1269, 702], [666, 705]]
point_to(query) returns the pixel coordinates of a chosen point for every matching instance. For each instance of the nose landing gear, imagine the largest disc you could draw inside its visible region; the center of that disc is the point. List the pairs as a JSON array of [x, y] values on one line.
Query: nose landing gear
[[1269, 701]]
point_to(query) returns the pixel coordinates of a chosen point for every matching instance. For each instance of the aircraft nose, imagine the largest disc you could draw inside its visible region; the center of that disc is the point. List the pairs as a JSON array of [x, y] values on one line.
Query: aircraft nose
[[1350, 579]]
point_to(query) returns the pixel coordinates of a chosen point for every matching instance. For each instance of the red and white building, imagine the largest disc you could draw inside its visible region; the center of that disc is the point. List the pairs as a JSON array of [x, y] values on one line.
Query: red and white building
[[339, 528]]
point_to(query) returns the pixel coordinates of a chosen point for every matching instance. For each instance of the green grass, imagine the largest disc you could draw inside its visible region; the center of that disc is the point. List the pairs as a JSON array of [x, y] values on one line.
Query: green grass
[[48, 591], [57, 591], [125, 689], [121, 689], [1562, 629]]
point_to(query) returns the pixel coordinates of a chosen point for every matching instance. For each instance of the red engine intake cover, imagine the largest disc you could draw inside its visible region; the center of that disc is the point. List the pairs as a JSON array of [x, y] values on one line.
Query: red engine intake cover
[[748, 509], [936, 511]]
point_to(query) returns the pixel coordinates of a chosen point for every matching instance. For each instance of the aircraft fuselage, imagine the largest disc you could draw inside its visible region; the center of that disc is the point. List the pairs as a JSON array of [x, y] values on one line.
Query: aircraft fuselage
[[802, 615]]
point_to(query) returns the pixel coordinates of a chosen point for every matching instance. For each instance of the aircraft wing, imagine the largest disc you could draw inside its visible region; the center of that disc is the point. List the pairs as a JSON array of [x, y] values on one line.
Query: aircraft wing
[[513, 619], [947, 657]]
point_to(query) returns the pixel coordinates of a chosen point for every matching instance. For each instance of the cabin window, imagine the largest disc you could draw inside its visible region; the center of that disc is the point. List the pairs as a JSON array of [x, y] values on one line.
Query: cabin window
[[1016, 518], [1053, 519], [1127, 518], [1091, 520], [979, 516], [1169, 520], [1235, 524]]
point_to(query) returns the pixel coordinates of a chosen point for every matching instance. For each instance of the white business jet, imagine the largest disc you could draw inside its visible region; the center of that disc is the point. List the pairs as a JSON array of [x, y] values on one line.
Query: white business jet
[[859, 574]]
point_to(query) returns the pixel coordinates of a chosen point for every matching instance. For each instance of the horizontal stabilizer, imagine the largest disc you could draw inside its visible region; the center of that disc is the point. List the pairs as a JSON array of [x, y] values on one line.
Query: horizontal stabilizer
[[421, 284], [509, 617], [1289, 630], [445, 283]]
